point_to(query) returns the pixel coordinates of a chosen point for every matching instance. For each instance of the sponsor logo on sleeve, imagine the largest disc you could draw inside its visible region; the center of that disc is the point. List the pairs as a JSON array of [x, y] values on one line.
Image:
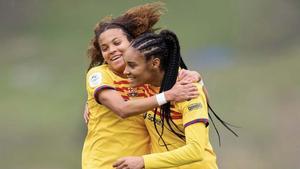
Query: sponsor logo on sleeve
[[95, 79], [194, 106]]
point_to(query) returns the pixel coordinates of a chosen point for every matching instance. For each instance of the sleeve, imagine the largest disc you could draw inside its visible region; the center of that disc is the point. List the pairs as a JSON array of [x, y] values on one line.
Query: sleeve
[[195, 110], [98, 80], [192, 152], [195, 120]]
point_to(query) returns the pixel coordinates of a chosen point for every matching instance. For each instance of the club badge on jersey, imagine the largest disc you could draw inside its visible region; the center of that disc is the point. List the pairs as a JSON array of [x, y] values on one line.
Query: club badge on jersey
[[132, 92]]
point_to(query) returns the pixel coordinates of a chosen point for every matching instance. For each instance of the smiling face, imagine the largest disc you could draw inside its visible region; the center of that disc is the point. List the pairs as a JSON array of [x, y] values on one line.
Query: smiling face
[[113, 43], [139, 71]]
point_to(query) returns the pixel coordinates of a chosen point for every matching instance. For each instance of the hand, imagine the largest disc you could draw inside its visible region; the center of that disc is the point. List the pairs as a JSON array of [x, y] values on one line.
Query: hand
[[182, 91], [86, 113], [189, 76], [129, 163]]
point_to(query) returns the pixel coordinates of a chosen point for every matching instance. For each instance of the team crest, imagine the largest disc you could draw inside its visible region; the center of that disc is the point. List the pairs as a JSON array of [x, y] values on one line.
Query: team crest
[[132, 92]]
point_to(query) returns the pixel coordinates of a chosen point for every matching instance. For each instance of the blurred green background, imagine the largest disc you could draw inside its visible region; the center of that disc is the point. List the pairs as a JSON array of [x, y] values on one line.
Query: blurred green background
[[247, 51]]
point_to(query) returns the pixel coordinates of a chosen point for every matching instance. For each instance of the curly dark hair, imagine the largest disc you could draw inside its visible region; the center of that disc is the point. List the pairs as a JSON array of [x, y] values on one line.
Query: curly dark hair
[[134, 22]]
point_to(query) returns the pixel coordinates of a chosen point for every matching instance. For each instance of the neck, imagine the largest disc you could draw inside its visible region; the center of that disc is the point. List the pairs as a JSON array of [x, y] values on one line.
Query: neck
[[158, 77], [118, 73]]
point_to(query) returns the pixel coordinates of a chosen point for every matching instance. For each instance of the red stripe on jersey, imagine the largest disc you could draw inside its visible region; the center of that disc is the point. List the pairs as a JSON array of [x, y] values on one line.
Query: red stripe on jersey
[[147, 91], [125, 97], [122, 89], [141, 95], [174, 115], [121, 82], [152, 90]]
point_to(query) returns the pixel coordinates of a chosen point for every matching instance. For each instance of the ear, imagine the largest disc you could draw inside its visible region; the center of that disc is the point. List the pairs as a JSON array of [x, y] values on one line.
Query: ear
[[156, 63]]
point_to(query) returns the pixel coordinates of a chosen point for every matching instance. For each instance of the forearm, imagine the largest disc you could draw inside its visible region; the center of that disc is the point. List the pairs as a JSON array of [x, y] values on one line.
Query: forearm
[[192, 152], [135, 107]]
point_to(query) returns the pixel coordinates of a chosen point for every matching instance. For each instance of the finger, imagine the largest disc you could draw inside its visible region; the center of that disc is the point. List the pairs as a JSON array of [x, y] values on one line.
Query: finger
[[123, 166], [189, 86], [182, 74], [183, 82], [189, 79], [85, 119], [179, 75], [192, 88], [118, 162], [194, 94]]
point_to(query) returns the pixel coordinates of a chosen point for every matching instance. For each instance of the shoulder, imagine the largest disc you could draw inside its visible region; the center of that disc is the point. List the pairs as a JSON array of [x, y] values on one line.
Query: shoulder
[[193, 103], [101, 69], [96, 75]]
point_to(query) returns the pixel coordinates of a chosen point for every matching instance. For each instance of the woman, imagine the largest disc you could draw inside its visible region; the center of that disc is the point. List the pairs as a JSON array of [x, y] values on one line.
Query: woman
[[178, 130], [110, 136]]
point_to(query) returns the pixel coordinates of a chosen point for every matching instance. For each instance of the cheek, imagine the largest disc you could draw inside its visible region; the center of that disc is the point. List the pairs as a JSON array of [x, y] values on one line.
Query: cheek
[[104, 54], [126, 43]]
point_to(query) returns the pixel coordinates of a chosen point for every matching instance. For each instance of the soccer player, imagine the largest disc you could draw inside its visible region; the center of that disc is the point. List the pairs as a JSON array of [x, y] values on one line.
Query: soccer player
[[179, 130]]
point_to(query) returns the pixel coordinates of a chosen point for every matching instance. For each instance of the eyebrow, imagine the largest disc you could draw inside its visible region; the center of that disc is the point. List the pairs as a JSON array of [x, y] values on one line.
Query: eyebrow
[[111, 40], [131, 62]]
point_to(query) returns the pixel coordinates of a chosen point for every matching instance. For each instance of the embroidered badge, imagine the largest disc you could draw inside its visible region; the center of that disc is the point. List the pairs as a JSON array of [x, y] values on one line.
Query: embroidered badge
[[95, 79], [194, 106], [132, 92]]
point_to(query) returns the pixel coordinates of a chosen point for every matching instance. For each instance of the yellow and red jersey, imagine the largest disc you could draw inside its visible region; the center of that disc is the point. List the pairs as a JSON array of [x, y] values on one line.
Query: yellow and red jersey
[[184, 114], [109, 137]]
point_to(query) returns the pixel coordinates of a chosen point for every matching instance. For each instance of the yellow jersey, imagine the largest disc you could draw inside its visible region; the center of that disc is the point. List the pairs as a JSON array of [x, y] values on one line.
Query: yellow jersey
[[110, 137], [186, 115]]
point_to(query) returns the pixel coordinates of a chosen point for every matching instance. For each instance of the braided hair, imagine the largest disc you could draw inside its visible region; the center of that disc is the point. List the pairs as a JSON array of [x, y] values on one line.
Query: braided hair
[[133, 23], [165, 46]]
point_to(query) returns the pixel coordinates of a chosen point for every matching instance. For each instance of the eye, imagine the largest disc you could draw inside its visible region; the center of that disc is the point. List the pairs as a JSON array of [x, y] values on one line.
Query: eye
[[104, 48], [117, 42], [131, 65]]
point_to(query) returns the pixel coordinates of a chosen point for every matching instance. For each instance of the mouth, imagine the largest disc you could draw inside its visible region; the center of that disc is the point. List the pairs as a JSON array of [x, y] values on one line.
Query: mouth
[[116, 57], [131, 79]]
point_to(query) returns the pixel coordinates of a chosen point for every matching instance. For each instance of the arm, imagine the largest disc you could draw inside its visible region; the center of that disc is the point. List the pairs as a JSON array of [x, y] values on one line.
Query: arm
[[113, 100], [195, 119], [192, 152]]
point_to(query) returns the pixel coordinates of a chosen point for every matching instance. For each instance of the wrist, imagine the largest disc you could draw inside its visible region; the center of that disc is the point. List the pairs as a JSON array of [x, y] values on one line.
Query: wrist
[[169, 96], [161, 99]]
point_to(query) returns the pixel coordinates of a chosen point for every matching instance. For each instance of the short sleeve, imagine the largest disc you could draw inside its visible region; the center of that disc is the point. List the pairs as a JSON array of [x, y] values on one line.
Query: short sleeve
[[98, 80]]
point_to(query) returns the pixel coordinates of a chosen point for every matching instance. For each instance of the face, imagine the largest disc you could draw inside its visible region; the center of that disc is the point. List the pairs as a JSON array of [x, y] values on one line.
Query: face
[[138, 70], [113, 43]]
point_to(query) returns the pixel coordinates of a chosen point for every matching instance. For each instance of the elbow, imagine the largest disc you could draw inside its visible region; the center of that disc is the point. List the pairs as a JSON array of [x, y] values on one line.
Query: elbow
[[123, 112], [198, 154], [123, 115]]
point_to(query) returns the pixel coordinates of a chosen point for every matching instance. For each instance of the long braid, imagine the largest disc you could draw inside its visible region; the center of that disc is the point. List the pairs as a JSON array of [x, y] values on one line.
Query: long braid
[[166, 47], [211, 110]]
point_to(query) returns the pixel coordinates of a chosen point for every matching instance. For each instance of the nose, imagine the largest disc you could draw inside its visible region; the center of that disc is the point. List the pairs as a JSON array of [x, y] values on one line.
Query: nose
[[126, 71], [112, 49]]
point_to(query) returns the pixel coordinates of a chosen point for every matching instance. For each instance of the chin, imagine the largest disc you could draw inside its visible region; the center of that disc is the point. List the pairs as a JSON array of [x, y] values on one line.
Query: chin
[[119, 67], [134, 83]]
